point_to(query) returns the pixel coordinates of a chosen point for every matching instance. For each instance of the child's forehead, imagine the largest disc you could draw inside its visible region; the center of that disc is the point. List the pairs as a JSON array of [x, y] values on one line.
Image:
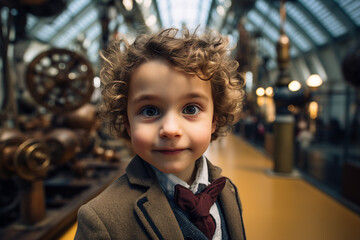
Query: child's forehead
[[159, 77], [158, 69], [159, 66]]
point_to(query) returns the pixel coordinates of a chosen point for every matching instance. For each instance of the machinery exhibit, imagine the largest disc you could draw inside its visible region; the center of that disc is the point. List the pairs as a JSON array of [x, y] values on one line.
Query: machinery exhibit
[[54, 152]]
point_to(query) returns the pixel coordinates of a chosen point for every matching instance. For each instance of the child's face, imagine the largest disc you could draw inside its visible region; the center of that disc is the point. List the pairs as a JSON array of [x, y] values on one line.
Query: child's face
[[170, 117]]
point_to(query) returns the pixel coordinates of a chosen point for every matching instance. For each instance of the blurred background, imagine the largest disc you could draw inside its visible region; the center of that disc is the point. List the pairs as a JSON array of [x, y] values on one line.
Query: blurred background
[[300, 60]]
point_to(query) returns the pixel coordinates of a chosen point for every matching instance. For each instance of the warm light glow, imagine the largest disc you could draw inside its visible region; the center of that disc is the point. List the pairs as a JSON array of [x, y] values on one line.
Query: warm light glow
[[128, 4], [284, 39], [294, 86], [151, 20], [271, 118], [261, 101], [291, 108], [97, 82], [269, 91], [266, 108], [313, 109], [314, 81], [260, 92]]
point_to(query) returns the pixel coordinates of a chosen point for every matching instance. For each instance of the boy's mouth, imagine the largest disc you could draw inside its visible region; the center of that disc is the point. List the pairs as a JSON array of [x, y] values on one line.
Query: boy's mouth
[[170, 151]]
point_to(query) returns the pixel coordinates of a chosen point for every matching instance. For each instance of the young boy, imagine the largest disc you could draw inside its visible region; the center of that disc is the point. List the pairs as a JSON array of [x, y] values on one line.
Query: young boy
[[170, 95]]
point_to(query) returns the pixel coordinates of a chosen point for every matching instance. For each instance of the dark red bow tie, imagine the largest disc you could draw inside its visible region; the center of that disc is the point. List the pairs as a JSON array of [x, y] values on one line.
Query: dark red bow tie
[[198, 205]]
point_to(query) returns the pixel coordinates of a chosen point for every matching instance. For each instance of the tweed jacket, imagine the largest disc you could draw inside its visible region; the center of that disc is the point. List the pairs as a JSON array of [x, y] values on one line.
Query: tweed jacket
[[135, 207]]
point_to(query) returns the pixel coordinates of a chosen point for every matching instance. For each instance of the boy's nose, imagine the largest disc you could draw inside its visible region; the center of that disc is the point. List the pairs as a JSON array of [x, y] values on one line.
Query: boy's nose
[[170, 127]]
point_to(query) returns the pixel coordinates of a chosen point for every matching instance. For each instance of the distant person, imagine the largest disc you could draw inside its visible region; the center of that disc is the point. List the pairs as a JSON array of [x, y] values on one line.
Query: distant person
[[170, 94]]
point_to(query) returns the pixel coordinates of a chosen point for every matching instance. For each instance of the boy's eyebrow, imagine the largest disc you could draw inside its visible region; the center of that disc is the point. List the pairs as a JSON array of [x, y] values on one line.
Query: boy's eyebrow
[[145, 97], [148, 97], [197, 95]]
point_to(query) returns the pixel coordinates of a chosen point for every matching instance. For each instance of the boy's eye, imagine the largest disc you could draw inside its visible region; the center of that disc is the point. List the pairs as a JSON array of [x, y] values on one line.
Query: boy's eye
[[191, 110], [150, 111]]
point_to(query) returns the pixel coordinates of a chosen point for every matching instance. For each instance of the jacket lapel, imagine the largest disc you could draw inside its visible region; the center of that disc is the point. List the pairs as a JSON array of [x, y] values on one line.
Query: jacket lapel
[[230, 204], [152, 208]]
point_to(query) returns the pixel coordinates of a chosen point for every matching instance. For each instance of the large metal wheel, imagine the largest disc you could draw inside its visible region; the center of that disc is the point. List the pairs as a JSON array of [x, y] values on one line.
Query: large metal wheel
[[60, 80]]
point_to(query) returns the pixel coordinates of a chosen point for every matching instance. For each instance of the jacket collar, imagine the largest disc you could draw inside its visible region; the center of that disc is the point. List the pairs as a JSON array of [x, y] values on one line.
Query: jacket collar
[[153, 201], [140, 173], [214, 171]]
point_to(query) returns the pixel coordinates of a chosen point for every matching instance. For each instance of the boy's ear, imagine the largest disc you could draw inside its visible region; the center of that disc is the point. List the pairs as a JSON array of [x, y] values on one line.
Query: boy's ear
[[213, 126]]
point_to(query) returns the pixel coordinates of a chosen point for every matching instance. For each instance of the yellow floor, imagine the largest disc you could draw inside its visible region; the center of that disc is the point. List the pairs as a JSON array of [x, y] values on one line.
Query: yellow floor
[[273, 207]]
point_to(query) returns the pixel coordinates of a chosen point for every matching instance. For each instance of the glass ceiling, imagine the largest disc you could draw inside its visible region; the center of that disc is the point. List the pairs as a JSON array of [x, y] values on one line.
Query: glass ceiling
[[309, 24], [326, 17], [189, 13]]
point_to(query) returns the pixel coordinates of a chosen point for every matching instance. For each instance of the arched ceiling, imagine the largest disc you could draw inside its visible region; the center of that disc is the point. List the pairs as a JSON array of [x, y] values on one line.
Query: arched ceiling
[[310, 25]]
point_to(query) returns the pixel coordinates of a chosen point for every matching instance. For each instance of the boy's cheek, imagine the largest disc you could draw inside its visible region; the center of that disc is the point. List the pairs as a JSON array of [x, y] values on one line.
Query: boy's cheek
[[141, 136], [201, 133]]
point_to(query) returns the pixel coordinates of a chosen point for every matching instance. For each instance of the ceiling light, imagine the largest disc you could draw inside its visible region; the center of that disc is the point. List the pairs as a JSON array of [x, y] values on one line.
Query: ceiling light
[[269, 91], [260, 92], [314, 81], [294, 86]]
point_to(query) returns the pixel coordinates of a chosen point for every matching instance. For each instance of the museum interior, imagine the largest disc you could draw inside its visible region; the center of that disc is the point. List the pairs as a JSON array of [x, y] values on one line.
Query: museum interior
[[294, 154]]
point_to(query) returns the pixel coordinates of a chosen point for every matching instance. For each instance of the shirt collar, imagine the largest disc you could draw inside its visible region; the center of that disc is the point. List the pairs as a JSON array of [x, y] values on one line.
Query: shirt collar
[[168, 181]]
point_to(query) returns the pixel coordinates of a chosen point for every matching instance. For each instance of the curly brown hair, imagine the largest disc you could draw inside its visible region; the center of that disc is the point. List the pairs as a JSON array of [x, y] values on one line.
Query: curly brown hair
[[206, 56]]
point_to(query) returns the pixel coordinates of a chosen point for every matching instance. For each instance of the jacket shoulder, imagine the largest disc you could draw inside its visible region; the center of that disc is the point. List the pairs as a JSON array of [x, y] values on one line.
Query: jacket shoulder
[[120, 192], [111, 213]]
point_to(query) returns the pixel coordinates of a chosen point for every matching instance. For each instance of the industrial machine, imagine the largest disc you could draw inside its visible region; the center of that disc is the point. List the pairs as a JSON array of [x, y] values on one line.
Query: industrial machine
[[57, 158]]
